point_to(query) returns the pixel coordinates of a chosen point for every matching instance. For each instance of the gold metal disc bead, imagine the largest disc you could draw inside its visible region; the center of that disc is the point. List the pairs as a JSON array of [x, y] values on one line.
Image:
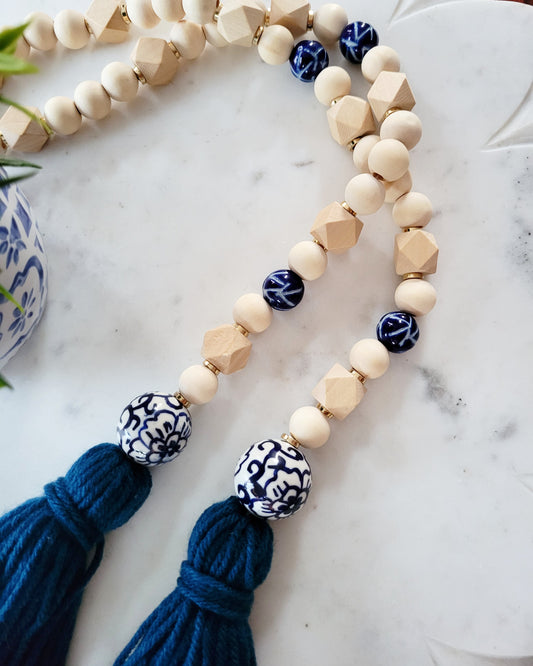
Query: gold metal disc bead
[[180, 398], [290, 440], [212, 367], [124, 13]]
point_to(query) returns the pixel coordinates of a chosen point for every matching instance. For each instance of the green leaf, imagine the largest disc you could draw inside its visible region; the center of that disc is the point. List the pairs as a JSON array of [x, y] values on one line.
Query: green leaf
[[41, 121], [13, 162], [15, 179], [10, 298], [10, 36], [10, 64], [4, 383]]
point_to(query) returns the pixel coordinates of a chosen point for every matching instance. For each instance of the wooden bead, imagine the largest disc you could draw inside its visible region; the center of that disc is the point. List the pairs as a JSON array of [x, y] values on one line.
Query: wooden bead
[[328, 23], [22, 49], [364, 194], [120, 82], [213, 36], [336, 229], [21, 132], [405, 126], [169, 10], [415, 296], [106, 22], [226, 348], [92, 100], [71, 30], [415, 251], [398, 188], [62, 115], [200, 11], [388, 159], [362, 150], [309, 427], [141, 14], [339, 391], [413, 209], [275, 45], [370, 358], [155, 60], [40, 33], [253, 313], [390, 91], [332, 83], [379, 59], [188, 38], [198, 384], [308, 259], [349, 118], [238, 21], [293, 14]]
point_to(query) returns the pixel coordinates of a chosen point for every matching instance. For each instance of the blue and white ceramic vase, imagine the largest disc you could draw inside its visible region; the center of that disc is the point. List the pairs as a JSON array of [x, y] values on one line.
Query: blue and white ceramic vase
[[23, 270]]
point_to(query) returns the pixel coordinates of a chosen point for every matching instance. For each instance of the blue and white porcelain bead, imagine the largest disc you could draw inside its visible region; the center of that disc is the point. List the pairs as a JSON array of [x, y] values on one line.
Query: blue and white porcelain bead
[[397, 331], [283, 289], [272, 479], [308, 58], [154, 428], [356, 40]]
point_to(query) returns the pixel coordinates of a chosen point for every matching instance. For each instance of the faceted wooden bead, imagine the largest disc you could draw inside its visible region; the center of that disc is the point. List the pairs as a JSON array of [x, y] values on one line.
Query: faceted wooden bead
[[91, 100], [370, 358], [188, 38], [308, 259], [415, 251], [40, 32], [253, 313], [379, 59], [169, 10], [328, 22], [239, 20], [275, 45], [293, 14], [362, 150], [413, 209], [339, 391], [350, 118], [200, 11], [398, 188], [226, 348], [309, 427], [213, 36], [364, 194], [62, 115], [390, 91], [120, 82], [332, 83], [335, 228], [388, 159], [155, 60], [21, 132], [415, 296], [71, 30], [405, 126], [141, 14], [198, 384], [106, 22]]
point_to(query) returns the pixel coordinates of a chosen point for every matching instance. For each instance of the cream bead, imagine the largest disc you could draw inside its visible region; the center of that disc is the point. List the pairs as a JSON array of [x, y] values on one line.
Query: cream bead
[[398, 188], [188, 38], [364, 194], [253, 313], [379, 59], [389, 159], [415, 296], [200, 11], [362, 150], [328, 22], [119, 81], [92, 100], [168, 10], [370, 358], [275, 45], [40, 33], [62, 115], [309, 427], [198, 384], [413, 209], [23, 49], [213, 36], [71, 29], [142, 14], [405, 126], [332, 83], [308, 259]]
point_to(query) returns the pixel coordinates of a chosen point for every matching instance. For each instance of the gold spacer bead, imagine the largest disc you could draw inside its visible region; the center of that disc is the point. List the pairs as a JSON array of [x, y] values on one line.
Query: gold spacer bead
[[324, 410], [413, 276], [3, 143], [406, 229], [315, 240], [258, 34], [354, 143], [174, 50], [212, 367], [267, 18], [180, 398], [359, 376], [391, 111], [217, 12], [124, 13], [290, 440], [139, 75], [241, 329], [310, 19], [350, 210]]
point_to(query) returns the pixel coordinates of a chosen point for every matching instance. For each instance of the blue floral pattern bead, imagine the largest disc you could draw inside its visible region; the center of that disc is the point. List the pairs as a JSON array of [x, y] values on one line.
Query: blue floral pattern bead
[[308, 58], [283, 290], [398, 331], [272, 479], [154, 428], [356, 40]]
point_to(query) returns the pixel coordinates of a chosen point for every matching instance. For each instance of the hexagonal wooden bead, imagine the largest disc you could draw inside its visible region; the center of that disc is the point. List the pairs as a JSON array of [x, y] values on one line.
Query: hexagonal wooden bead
[[293, 14], [390, 91], [349, 118], [226, 348], [415, 251], [105, 21], [335, 228], [155, 60], [21, 132], [339, 391], [239, 20]]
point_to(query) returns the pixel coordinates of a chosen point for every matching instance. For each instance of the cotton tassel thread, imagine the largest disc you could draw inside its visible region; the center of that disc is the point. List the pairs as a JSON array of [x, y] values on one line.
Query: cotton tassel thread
[[44, 545], [204, 620]]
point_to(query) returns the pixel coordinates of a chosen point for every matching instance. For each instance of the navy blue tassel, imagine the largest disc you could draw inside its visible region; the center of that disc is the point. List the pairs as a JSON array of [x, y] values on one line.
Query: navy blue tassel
[[204, 621], [44, 545]]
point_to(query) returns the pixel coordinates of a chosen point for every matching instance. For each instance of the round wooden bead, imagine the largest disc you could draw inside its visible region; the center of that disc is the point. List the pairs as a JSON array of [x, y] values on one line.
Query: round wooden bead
[[415, 296], [213, 36], [200, 11], [308, 259], [362, 150], [379, 59], [405, 126], [120, 82], [275, 45], [253, 313], [198, 384], [332, 83], [309, 427], [389, 159], [23, 48], [328, 22], [413, 209], [92, 100], [40, 33], [71, 29], [188, 38], [398, 188], [364, 194], [398, 331], [370, 358], [62, 115], [168, 10], [142, 14]]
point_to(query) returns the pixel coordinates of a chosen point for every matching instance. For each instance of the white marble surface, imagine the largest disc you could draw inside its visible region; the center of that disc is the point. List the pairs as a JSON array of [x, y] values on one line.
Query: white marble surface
[[416, 545]]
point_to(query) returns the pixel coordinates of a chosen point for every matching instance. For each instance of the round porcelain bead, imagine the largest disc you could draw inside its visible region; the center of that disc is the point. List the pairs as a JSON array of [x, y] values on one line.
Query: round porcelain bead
[[120, 82], [168, 10], [213, 36], [92, 100], [200, 11], [398, 331], [62, 115], [272, 479], [370, 358], [283, 290], [405, 126], [253, 313], [40, 33], [379, 59], [398, 188], [362, 150], [275, 45], [154, 428], [308, 259], [415, 296], [389, 159], [356, 40], [413, 209], [142, 14], [71, 29], [308, 58], [309, 427], [198, 384], [332, 83], [188, 38], [328, 22], [364, 194]]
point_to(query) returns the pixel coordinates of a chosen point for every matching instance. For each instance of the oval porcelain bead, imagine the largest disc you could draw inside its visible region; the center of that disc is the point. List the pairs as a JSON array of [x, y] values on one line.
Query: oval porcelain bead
[[413, 209], [309, 427], [253, 313], [92, 100], [332, 83], [362, 150], [40, 32], [283, 289], [142, 14], [370, 358], [188, 38], [356, 40], [71, 29], [415, 296], [272, 479], [328, 22], [168, 10], [308, 58], [398, 331], [275, 45], [198, 384], [119, 81], [62, 115], [364, 194], [154, 428], [379, 59], [405, 126], [308, 259], [396, 189], [200, 11], [389, 159]]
